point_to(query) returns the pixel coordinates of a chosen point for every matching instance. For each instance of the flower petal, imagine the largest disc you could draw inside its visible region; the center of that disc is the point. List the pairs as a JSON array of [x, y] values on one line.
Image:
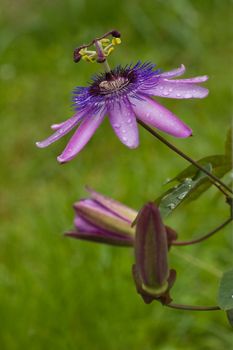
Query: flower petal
[[174, 72], [123, 121], [81, 136], [101, 217], [57, 126], [180, 90], [114, 206], [200, 79], [63, 130], [154, 114]]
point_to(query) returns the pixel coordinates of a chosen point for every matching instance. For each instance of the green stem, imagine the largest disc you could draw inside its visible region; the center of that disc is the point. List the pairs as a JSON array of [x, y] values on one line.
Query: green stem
[[192, 308], [215, 180], [202, 238]]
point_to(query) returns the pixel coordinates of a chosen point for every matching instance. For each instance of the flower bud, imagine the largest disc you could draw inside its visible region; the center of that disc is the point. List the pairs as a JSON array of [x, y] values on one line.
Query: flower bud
[[151, 270], [101, 219]]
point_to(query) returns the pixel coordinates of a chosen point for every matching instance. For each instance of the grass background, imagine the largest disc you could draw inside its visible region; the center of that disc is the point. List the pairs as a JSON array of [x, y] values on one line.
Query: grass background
[[58, 293]]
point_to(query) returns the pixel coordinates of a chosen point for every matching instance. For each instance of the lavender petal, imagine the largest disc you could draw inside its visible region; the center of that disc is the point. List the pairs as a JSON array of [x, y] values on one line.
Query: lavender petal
[[63, 130], [156, 115], [123, 121], [82, 135], [114, 206], [179, 90], [174, 72]]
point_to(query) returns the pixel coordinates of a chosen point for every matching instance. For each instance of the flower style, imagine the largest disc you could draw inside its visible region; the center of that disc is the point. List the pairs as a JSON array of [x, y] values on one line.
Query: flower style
[[104, 220], [124, 94]]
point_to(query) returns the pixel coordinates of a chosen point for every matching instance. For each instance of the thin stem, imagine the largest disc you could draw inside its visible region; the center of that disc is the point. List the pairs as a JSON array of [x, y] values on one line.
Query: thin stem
[[192, 308], [106, 66], [202, 238], [183, 155]]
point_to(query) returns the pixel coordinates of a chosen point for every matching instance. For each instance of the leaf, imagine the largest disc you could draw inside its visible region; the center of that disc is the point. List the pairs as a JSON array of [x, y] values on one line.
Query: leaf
[[225, 293], [221, 165], [219, 162], [230, 316], [229, 145], [172, 198]]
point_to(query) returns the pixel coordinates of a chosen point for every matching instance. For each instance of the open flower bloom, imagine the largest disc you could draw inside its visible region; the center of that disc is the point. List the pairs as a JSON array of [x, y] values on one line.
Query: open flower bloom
[[124, 94], [102, 219]]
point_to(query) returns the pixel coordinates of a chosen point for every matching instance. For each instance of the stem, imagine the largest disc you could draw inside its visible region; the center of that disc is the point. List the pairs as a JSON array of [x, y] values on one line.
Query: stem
[[192, 308], [106, 66], [101, 55], [183, 155], [202, 238]]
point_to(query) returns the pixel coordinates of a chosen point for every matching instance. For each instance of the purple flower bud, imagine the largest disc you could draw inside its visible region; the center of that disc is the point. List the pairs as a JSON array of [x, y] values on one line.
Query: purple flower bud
[[151, 270], [101, 219]]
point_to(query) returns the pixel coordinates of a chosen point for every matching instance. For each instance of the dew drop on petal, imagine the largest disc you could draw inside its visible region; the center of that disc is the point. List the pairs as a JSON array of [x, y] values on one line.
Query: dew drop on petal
[[178, 94], [170, 90], [129, 120], [124, 138], [165, 93]]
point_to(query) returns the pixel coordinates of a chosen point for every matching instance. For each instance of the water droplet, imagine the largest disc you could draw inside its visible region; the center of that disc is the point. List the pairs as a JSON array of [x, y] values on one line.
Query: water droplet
[[124, 138], [161, 87], [165, 93], [182, 195], [170, 90], [129, 120], [124, 131], [178, 94], [171, 206]]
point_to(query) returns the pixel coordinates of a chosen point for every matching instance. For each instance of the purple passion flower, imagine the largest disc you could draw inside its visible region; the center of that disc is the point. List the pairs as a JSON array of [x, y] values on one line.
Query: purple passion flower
[[124, 94], [104, 220]]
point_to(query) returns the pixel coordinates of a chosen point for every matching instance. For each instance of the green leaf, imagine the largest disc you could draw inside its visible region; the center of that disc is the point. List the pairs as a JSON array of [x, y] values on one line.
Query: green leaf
[[172, 198], [221, 165], [229, 145], [225, 293], [230, 316]]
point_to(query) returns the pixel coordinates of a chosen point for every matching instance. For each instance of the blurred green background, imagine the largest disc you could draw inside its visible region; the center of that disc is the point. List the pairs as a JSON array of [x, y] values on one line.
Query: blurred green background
[[59, 293]]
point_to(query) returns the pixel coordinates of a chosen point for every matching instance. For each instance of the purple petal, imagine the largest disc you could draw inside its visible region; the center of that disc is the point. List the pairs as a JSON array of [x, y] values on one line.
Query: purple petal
[[102, 218], [124, 123], [154, 114], [57, 126], [180, 90], [63, 130], [81, 136], [173, 73], [200, 79], [83, 225], [114, 206]]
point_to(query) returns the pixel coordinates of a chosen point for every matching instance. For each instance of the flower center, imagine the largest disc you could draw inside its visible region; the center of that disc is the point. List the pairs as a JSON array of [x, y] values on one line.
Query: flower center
[[109, 86]]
